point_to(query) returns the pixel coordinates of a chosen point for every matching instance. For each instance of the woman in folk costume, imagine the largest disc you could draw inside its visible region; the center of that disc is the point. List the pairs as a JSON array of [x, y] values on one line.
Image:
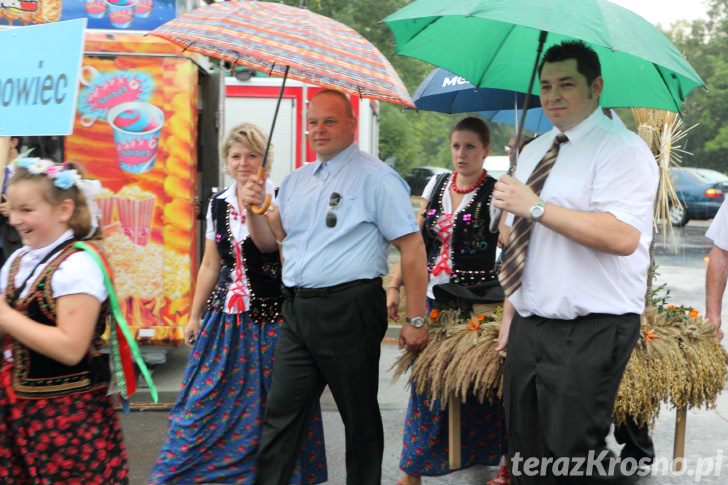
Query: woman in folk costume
[[57, 422], [216, 423], [460, 249]]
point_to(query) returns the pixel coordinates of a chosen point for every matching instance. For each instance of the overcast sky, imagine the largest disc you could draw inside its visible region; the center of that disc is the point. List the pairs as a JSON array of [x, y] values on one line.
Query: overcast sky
[[665, 12]]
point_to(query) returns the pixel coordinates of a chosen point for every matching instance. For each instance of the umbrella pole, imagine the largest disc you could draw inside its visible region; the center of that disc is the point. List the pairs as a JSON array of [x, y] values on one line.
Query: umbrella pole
[[496, 216], [261, 169]]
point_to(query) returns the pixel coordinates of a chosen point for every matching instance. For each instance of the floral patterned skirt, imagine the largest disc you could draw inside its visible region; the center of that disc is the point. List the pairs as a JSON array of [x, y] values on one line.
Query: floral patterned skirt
[[68, 440], [215, 425], [425, 445]]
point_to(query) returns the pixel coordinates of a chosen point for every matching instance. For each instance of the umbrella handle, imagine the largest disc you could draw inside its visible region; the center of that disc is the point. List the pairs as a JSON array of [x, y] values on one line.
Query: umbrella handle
[[266, 203]]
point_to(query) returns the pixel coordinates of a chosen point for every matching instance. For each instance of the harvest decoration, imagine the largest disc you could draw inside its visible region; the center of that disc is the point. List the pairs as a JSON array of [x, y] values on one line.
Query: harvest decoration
[[460, 358], [676, 360]]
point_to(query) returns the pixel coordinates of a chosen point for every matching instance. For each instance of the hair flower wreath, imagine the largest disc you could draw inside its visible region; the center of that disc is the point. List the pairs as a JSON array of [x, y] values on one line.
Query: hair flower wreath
[[64, 178]]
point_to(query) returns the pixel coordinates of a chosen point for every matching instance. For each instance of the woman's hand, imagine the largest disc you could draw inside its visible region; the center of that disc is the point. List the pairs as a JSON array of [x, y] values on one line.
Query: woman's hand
[[273, 218], [393, 303], [253, 192], [4, 207], [192, 329]]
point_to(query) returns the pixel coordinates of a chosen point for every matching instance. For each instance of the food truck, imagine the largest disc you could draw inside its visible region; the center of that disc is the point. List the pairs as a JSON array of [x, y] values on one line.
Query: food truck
[[148, 126]]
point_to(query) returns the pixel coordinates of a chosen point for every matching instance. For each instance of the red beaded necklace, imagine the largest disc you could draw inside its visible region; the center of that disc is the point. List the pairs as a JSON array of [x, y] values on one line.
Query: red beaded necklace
[[467, 189]]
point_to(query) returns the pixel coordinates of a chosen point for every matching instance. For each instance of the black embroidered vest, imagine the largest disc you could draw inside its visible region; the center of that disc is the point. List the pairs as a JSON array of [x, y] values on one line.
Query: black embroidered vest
[[36, 376], [473, 245], [263, 270]]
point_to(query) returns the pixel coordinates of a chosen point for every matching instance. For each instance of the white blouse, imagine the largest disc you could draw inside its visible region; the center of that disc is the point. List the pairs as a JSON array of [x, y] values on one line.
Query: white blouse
[[239, 229], [79, 273]]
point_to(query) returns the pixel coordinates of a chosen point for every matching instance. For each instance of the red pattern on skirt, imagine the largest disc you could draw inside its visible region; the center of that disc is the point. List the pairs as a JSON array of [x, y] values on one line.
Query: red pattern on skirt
[[67, 440]]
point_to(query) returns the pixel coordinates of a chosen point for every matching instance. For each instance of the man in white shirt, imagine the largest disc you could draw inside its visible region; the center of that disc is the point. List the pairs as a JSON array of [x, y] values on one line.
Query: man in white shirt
[[717, 272], [584, 279]]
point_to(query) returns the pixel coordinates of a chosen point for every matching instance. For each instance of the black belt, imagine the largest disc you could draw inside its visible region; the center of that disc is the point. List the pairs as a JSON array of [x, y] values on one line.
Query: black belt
[[301, 292]]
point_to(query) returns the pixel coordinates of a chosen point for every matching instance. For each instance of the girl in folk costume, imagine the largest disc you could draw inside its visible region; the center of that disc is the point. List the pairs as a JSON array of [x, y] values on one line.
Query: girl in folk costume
[[460, 249], [216, 423], [57, 421]]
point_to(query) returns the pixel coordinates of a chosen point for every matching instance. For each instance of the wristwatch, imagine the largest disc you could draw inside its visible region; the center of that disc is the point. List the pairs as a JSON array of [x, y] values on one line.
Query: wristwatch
[[536, 212], [417, 322]]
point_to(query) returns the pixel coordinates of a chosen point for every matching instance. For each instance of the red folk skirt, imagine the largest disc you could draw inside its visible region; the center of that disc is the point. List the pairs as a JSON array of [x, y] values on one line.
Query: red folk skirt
[[74, 439]]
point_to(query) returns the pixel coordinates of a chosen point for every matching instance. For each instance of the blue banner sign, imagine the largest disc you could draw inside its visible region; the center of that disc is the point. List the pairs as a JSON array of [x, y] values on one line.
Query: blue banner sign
[[39, 79]]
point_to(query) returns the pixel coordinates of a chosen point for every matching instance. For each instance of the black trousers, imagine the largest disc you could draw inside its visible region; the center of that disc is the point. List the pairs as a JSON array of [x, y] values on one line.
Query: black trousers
[[330, 336], [636, 440], [560, 382]]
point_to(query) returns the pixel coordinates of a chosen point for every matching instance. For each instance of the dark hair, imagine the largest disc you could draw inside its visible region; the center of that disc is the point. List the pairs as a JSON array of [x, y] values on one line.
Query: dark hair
[[80, 222], [476, 125], [587, 60], [19, 146]]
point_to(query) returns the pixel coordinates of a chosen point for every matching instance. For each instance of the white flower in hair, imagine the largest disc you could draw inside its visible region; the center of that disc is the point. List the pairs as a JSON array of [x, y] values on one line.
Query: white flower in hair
[[36, 166], [90, 188]]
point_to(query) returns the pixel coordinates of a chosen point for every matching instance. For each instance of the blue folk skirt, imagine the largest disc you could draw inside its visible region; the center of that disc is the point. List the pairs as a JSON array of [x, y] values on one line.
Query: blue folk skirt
[[425, 449], [215, 425]]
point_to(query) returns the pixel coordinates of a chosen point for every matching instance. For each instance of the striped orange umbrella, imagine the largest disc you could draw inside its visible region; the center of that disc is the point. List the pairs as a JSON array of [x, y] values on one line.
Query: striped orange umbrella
[[272, 37]]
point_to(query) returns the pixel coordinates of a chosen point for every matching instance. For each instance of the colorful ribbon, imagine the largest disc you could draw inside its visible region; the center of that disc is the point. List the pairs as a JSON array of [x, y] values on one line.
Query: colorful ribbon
[[237, 298], [444, 231], [122, 342]]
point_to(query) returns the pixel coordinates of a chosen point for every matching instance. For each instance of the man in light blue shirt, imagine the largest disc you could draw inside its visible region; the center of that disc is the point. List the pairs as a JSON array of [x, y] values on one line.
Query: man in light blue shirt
[[338, 216]]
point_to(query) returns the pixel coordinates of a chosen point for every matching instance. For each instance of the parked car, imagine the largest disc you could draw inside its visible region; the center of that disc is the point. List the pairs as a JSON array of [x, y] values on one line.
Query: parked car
[[419, 176], [700, 192]]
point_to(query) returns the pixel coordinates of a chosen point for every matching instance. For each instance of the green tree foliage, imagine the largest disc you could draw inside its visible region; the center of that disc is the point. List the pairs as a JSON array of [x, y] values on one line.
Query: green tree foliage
[[704, 44]]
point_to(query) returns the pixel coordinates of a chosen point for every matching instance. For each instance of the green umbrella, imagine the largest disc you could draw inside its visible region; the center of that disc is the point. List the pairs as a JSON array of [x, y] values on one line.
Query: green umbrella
[[499, 40]]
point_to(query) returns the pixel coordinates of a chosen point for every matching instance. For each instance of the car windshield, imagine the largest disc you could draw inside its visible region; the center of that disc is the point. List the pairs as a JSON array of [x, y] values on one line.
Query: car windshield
[[707, 176]]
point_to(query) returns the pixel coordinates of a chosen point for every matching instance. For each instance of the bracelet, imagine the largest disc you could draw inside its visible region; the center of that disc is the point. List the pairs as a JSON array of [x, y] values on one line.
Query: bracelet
[[280, 243], [395, 287]]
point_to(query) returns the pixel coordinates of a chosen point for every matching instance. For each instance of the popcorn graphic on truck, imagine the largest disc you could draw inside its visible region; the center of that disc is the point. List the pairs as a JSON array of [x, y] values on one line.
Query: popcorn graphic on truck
[[136, 130]]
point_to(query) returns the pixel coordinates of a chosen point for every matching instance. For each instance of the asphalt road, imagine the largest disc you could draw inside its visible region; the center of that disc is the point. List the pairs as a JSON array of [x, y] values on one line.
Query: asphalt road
[[681, 268]]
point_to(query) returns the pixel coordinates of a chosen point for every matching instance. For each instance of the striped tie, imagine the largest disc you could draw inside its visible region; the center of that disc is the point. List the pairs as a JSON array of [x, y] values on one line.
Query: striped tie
[[511, 271]]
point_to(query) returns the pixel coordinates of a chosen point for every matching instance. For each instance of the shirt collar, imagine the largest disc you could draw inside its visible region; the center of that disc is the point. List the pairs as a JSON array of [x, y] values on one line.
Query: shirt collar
[[584, 126], [230, 196], [40, 253], [335, 164]]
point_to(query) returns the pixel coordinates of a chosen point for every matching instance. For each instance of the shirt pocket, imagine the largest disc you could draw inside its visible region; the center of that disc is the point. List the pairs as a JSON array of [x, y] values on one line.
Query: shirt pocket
[[346, 209], [296, 206], [569, 192]]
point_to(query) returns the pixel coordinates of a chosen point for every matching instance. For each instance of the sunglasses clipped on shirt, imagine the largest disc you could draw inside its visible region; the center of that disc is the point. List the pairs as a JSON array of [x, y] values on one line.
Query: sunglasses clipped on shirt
[[334, 203]]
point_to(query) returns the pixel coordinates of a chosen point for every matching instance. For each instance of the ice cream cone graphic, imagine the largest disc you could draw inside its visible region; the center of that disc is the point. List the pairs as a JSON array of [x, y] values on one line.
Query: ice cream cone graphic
[[136, 209]]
